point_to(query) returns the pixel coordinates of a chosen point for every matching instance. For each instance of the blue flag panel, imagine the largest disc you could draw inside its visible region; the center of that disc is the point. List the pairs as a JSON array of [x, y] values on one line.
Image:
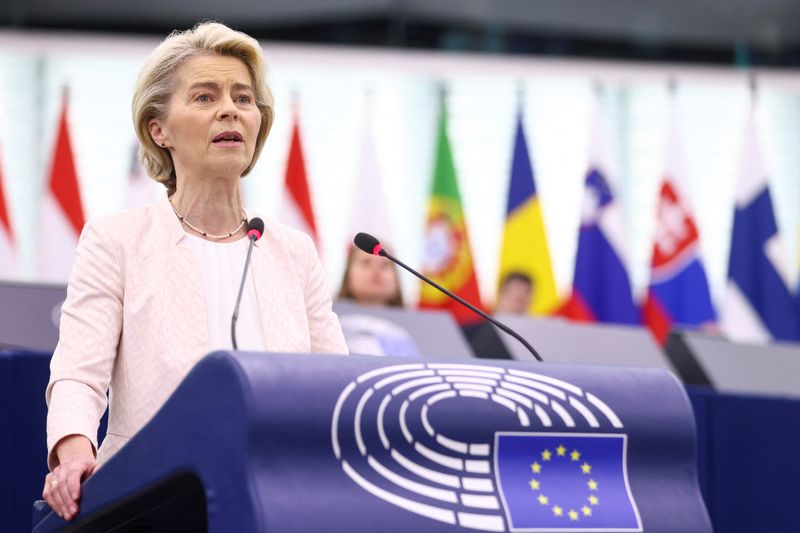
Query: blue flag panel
[[565, 482]]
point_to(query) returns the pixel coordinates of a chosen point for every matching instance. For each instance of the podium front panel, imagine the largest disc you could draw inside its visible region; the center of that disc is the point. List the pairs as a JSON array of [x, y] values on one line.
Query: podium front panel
[[340, 444]]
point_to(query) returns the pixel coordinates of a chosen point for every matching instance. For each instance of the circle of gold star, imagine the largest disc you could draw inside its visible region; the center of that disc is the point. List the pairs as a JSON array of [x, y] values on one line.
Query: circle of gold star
[[574, 456]]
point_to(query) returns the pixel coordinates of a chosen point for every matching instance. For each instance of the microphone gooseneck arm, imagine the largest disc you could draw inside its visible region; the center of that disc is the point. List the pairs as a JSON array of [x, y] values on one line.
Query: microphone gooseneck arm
[[380, 251], [235, 316], [255, 229]]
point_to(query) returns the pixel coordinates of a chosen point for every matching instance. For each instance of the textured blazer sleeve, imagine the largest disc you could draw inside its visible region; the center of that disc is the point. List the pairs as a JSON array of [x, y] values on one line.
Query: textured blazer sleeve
[[323, 324], [91, 322]]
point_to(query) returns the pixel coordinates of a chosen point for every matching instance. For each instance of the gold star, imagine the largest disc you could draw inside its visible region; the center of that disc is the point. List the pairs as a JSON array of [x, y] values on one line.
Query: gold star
[[575, 455], [592, 484], [561, 451], [594, 500], [543, 499], [536, 468], [586, 468], [558, 511], [586, 510], [546, 455], [573, 514], [534, 484]]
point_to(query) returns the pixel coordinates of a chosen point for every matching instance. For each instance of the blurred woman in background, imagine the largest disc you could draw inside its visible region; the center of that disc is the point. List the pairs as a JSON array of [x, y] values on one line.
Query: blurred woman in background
[[370, 280]]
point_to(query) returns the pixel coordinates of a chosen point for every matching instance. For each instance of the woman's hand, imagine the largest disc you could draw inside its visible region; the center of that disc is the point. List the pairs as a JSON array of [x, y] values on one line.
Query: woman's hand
[[62, 486]]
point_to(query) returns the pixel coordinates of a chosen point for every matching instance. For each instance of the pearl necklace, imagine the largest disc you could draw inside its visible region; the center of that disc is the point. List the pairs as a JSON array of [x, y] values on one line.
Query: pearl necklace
[[205, 233]]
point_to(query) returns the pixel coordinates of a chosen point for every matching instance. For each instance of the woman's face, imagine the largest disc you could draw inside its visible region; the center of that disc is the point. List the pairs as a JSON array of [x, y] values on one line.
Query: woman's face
[[212, 120], [372, 279]]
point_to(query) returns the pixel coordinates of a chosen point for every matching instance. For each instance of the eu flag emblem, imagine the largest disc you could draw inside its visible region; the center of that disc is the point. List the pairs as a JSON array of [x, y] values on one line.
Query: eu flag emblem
[[565, 482]]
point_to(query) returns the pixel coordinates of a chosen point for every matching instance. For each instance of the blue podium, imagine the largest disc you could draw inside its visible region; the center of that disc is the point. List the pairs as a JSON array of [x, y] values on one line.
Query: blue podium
[[256, 442]]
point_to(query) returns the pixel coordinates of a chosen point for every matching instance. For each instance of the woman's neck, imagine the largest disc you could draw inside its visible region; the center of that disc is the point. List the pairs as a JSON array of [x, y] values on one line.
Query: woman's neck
[[214, 206]]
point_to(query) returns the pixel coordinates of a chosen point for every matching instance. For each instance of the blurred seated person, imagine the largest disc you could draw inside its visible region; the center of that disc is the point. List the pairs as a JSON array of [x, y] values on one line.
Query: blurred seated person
[[513, 297], [370, 280], [515, 294], [373, 281]]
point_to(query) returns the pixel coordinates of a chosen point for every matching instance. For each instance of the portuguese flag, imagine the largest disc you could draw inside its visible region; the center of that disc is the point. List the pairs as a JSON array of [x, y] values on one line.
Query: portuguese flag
[[447, 258]]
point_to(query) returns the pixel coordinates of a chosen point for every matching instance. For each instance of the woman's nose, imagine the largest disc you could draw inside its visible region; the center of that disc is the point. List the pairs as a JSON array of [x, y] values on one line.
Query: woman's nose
[[227, 109]]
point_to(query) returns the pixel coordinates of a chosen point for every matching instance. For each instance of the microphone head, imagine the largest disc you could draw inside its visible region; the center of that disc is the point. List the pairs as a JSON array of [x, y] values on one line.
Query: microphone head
[[369, 244], [255, 229]]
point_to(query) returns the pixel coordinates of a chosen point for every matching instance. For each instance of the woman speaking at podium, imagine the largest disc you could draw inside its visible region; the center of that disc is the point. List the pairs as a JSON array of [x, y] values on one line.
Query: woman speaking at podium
[[153, 289]]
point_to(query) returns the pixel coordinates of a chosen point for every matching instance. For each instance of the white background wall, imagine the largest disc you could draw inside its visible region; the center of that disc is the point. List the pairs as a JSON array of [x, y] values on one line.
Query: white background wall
[[337, 90]]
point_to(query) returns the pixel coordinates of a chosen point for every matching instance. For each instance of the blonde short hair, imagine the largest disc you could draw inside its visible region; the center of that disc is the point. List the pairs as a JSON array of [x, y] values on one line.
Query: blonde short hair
[[157, 81]]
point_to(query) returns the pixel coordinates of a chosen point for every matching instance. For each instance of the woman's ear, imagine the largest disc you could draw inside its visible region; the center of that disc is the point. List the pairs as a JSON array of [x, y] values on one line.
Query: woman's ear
[[157, 132]]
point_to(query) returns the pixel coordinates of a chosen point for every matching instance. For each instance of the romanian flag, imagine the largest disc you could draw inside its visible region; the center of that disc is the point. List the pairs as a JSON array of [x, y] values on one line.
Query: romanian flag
[[525, 247], [447, 258]]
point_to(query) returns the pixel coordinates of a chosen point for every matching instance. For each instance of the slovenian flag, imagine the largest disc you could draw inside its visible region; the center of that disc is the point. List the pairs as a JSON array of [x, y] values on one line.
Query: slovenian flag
[[524, 246], [447, 258], [601, 290], [759, 306], [678, 292]]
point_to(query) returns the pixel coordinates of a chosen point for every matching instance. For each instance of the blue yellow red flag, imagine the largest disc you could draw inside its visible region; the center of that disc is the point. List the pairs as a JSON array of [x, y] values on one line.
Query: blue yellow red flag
[[524, 247]]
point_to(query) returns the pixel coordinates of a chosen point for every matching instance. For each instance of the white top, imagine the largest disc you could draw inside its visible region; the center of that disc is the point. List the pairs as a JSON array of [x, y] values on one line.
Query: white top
[[222, 265]]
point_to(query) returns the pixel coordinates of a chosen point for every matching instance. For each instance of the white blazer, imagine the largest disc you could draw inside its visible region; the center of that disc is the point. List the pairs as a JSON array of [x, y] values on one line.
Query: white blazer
[[134, 320]]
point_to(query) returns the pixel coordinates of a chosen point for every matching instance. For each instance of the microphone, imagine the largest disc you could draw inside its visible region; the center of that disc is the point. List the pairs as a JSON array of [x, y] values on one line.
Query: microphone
[[369, 244], [255, 229]]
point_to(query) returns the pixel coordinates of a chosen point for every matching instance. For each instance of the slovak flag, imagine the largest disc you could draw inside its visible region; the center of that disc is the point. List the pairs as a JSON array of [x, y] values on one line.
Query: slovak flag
[[8, 252], [758, 305], [601, 290], [297, 209], [678, 292], [61, 218]]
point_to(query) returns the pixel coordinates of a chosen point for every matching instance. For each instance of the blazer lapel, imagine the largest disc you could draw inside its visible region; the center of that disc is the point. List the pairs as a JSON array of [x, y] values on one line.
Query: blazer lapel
[[184, 296], [281, 330]]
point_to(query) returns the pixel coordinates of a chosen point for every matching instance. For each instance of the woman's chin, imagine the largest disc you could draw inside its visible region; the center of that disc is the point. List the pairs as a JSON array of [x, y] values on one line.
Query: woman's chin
[[233, 166]]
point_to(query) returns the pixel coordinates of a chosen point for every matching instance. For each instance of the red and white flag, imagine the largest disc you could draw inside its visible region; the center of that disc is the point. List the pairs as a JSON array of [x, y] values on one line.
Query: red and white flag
[[9, 259], [61, 218], [297, 209]]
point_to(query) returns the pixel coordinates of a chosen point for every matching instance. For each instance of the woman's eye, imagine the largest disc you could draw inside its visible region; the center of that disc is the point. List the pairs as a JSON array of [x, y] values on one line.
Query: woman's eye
[[243, 99], [203, 98]]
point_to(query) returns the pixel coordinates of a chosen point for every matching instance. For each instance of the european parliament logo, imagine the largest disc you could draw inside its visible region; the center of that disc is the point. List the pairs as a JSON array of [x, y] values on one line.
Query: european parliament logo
[[485, 448]]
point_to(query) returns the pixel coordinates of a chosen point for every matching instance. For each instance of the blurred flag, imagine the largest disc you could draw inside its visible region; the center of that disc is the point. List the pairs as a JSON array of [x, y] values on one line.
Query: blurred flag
[[447, 258], [678, 292], [61, 218], [142, 190], [296, 209], [369, 210], [524, 246], [759, 305], [601, 290], [9, 260]]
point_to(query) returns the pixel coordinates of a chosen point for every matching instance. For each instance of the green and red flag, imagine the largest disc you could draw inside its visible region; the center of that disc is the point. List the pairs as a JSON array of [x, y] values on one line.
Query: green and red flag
[[447, 258]]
